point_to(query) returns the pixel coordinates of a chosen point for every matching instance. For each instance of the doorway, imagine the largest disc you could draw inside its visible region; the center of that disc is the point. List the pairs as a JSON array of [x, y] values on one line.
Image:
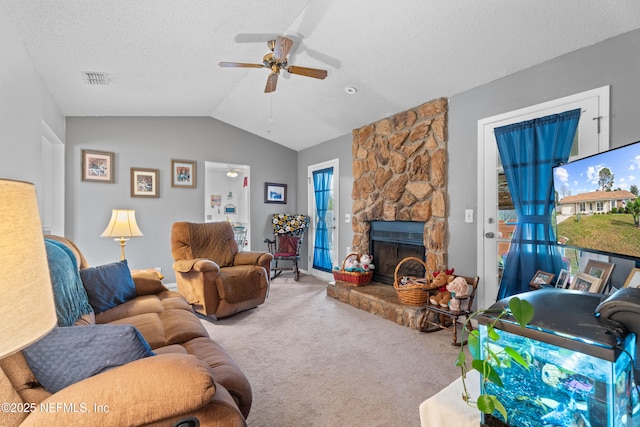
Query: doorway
[[323, 210], [497, 218], [226, 192]]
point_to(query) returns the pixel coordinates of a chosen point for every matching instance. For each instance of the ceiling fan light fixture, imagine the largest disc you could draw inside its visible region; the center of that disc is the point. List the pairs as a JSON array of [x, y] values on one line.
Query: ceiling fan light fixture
[[232, 173], [276, 60]]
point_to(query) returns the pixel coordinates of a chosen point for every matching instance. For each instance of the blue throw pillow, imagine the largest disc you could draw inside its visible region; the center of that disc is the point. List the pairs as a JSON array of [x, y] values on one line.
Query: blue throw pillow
[[108, 285], [70, 354]]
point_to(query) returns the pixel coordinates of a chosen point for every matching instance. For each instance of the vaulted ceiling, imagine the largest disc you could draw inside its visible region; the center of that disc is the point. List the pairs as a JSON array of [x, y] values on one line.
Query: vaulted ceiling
[[161, 56]]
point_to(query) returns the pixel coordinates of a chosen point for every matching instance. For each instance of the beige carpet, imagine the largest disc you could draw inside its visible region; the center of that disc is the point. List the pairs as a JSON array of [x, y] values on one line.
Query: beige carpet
[[314, 361]]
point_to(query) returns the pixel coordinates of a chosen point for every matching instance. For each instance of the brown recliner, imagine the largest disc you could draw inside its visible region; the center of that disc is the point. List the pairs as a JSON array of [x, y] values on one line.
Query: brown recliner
[[212, 274]]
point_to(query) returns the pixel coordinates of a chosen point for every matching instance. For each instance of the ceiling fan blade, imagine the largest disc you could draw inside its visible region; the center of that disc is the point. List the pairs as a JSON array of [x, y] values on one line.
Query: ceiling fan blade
[[281, 50], [272, 81], [240, 65], [309, 72]]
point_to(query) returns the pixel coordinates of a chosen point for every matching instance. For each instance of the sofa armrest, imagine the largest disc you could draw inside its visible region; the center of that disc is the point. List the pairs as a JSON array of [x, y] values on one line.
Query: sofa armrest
[[252, 258], [141, 392], [201, 265]]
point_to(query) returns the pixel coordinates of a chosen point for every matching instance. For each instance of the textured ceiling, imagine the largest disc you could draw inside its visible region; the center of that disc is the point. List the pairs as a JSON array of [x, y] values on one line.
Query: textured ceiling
[[162, 55]]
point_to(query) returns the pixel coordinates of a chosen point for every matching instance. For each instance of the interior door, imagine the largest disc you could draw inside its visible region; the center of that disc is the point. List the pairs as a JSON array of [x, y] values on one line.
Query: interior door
[[325, 223], [497, 218]]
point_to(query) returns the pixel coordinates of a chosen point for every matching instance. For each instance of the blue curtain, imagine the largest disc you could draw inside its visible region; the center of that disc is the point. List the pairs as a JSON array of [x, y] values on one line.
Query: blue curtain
[[529, 150], [322, 180]]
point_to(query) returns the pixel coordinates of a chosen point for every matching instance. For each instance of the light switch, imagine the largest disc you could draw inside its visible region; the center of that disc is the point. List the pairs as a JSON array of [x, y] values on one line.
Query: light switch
[[468, 215], [347, 218]]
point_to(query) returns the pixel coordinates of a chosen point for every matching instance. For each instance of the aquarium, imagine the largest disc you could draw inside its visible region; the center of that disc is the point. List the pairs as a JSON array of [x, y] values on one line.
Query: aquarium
[[580, 367]]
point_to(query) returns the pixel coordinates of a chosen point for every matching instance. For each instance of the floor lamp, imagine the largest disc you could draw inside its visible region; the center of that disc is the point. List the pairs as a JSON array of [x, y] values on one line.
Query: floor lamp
[[121, 226], [24, 270]]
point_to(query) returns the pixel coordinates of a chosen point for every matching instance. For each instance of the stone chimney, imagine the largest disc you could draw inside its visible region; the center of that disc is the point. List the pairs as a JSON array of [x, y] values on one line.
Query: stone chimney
[[399, 173]]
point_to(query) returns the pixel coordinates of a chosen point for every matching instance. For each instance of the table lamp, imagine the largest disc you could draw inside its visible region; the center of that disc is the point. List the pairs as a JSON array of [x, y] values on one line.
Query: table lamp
[[24, 270], [122, 225]]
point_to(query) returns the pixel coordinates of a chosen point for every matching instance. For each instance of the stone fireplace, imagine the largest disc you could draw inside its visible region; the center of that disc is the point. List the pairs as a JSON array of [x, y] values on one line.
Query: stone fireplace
[[399, 171], [399, 206]]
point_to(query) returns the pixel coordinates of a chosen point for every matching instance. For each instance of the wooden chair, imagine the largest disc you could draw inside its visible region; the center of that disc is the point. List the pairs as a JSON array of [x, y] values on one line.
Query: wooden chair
[[448, 319], [288, 235]]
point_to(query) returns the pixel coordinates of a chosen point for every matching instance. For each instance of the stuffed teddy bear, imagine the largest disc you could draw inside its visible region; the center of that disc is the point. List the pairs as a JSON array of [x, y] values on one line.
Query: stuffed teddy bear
[[366, 262], [458, 287], [440, 282], [351, 264]]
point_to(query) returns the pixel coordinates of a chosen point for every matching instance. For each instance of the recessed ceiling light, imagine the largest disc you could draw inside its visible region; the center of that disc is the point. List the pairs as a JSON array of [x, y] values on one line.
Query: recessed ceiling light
[[350, 90]]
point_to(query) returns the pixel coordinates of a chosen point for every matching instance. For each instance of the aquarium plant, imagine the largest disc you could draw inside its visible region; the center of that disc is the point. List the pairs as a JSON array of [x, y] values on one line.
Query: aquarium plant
[[494, 361]]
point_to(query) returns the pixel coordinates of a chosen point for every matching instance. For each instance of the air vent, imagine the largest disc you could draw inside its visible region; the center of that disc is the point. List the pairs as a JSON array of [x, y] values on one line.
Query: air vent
[[95, 78]]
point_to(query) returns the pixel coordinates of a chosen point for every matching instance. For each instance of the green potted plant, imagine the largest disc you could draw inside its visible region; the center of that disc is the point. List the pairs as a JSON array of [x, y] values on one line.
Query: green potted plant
[[489, 362]]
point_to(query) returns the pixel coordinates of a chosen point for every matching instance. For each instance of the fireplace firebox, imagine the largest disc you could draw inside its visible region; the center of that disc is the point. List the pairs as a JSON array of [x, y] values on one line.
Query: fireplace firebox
[[391, 242]]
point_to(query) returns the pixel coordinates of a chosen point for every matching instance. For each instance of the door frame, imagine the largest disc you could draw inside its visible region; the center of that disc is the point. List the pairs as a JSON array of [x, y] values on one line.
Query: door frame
[[335, 163], [488, 147]]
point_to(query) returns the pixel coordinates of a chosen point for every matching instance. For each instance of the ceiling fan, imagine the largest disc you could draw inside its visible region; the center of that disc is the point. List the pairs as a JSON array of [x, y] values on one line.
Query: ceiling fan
[[276, 60]]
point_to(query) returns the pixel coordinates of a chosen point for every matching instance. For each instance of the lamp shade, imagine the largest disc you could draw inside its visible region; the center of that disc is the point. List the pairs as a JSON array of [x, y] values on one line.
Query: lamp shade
[[27, 310], [122, 224]]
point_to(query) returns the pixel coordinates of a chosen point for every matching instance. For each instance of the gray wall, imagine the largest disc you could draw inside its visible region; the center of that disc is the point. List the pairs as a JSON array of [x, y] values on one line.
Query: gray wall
[[151, 142], [25, 103]]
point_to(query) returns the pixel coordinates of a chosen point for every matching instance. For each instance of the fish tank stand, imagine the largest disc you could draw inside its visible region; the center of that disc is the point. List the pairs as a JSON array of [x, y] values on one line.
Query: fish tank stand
[[491, 421], [580, 366]]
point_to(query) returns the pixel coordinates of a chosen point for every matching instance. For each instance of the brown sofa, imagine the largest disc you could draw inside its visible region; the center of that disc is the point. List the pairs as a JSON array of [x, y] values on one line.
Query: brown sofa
[[190, 376], [213, 275]]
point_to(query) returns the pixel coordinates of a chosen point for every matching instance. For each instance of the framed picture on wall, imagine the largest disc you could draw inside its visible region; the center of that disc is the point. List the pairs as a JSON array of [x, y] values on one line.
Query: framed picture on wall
[[183, 173], [144, 182], [275, 193], [97, 166]]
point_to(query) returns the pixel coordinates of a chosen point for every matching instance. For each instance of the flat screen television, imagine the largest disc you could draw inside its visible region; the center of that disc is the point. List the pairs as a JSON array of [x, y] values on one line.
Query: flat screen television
[[591, 198]]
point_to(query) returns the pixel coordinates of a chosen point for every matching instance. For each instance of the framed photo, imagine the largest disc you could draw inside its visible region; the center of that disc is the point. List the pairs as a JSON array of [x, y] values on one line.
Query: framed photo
[[275, 193], [633, 281], [563, 279], [144, 182], [541, 278], [97, 166], [183, 174], [584, 282], [600, 269]]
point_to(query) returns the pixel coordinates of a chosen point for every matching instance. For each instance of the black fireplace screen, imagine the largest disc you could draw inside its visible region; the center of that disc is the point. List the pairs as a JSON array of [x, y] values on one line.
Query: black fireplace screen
[[393, 241]]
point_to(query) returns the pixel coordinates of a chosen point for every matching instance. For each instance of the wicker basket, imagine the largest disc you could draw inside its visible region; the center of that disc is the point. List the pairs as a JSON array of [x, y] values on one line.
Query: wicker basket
[[352, 278], [415, 291]]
